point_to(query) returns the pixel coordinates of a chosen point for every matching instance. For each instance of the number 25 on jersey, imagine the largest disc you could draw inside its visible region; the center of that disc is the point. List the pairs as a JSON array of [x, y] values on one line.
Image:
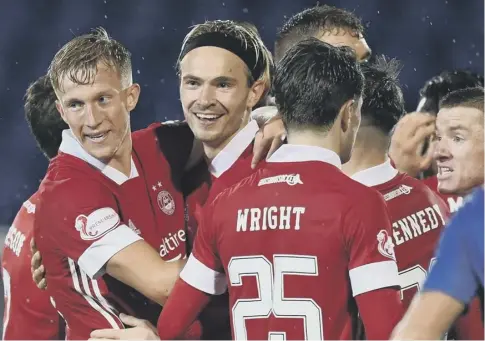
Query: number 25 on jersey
[[270, 281]]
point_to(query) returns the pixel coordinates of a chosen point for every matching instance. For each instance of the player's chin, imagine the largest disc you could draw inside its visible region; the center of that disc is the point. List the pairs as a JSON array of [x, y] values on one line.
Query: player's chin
[[447, 186]]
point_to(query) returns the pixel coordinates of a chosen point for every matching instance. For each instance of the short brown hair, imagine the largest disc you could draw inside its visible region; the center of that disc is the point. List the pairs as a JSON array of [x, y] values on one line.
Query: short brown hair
[[243, 31], [469, 97], [79, 59], [312, 21]]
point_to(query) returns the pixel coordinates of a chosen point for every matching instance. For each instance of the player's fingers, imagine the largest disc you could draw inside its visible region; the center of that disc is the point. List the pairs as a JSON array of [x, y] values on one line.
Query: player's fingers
[[106, 334], [277, 142], [422, 133], [429, 156], [133, 321], [409, 124], [261, 147], [33, 247], [42, 284], [36, 260]]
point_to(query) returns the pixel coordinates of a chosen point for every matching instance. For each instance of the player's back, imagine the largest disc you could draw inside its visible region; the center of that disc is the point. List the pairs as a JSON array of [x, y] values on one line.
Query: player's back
[[28, 311], [286, 235], [418, 216]]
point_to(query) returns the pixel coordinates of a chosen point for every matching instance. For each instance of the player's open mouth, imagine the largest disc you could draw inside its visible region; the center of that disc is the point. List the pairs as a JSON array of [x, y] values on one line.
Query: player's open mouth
[[444, 172], [208, 117], [97, 137]]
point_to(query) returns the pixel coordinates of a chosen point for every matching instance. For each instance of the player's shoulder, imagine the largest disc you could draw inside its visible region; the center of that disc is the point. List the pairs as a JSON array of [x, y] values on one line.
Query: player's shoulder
[[240, 187], [416, 187]]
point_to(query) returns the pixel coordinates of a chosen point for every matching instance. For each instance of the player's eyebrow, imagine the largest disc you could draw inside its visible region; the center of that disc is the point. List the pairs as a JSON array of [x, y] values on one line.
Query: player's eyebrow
[[191, 77], [224, 79], [458, 127]]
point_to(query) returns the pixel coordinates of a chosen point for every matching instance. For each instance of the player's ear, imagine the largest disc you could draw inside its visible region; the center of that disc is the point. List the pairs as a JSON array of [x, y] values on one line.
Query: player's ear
[[256, 92], [345, 114], [61, 111], [132, 95]]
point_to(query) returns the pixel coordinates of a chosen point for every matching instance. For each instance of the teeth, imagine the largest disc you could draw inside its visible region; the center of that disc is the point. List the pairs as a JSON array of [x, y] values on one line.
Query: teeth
[[207, 116], [445, 170]]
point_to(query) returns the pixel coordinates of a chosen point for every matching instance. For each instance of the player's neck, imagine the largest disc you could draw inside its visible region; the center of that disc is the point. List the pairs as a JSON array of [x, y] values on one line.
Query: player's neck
[[212, 149], [121, 161], [364, 157], [314, 138]]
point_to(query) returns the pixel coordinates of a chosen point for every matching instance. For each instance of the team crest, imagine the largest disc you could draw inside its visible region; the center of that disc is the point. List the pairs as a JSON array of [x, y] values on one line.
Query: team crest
[[385, 245], [166, 202]]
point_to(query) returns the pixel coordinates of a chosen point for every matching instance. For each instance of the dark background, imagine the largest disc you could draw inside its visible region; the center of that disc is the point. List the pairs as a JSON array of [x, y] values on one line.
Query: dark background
[[428, 36]]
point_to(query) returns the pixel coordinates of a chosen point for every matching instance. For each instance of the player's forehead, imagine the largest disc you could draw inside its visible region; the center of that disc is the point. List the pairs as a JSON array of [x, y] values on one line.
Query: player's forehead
[[459, 118], [106, 79], [345, 37], [210, 62]]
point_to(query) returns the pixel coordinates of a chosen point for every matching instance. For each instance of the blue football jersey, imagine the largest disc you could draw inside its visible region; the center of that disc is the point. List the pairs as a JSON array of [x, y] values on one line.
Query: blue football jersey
[[458, 271]]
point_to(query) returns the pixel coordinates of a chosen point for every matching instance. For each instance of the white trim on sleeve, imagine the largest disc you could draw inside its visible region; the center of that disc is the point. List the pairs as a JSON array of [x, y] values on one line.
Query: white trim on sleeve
[[203, 278], [94, 258], [374, 276]]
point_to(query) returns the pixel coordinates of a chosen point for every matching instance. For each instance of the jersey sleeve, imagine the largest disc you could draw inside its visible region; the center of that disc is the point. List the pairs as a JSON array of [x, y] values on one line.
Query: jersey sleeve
[[204, 269], [452, 273], [81, 221], [367, 234]]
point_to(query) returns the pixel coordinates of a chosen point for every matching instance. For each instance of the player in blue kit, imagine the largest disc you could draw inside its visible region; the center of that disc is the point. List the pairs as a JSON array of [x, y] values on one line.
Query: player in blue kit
[[454, 280]]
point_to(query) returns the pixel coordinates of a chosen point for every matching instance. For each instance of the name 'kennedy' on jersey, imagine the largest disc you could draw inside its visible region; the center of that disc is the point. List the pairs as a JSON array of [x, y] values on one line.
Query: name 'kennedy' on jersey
[[417, 223], [272, 218]]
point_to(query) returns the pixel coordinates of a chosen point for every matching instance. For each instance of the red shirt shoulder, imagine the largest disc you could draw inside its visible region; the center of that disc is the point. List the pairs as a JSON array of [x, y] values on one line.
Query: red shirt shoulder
[[23, 300]]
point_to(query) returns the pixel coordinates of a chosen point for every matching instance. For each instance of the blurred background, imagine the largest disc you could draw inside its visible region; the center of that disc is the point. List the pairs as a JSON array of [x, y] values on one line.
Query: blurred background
[[427, 36]]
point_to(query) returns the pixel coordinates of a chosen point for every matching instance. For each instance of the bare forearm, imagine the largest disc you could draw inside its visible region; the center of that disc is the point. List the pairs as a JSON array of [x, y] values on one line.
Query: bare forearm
[[429, 317], [140, 267]]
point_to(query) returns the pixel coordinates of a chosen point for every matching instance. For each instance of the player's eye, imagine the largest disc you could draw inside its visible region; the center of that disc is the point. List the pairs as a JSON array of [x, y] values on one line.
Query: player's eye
[[191, 83], [223, 85], [458, 138], [103, 99], [74, 105]]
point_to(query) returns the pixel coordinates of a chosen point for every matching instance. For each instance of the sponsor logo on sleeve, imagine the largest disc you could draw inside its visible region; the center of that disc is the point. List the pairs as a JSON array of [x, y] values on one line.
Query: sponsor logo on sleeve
[[385, 246], [97, 224], [403, 189]]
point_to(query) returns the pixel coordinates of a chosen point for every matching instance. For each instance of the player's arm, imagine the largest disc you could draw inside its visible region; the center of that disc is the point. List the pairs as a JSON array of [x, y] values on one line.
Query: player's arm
[[372, 267], [201, 277], [95, 237]]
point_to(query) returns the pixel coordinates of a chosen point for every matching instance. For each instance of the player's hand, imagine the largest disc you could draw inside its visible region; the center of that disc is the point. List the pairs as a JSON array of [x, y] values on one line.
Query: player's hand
[[37, 268], [142, 330], [268, 139], [408, 140]]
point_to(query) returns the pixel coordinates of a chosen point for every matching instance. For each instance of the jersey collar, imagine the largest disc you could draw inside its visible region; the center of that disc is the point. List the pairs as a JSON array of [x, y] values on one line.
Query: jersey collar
[[233, 150], [70, 145], [376, 175], [300, 153]]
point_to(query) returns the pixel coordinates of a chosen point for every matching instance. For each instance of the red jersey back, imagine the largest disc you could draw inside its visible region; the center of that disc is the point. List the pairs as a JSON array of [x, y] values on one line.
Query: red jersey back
[[418, 216], [28, 311], [296, 241], [88, 212], [454, 202]]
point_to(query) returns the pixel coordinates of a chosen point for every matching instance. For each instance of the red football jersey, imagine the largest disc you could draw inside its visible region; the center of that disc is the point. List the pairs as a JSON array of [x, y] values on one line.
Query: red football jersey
[[231, 165], [28, 312], [454, 202], [418, 216], [298, 241], [88, 211]]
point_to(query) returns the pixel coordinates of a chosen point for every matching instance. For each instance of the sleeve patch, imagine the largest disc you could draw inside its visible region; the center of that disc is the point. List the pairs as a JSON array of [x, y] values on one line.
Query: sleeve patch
[[385, 246], [97, 224]]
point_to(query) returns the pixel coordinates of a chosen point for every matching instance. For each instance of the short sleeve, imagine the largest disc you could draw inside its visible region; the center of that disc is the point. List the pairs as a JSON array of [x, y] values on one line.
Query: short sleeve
[[367, 230], [452, 273], [80, 219], [204, 269]]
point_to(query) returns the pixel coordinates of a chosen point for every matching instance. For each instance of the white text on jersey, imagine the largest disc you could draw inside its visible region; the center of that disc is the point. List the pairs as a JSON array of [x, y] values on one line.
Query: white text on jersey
[[171, 242], [290, 179], [403, 189], [15, 240], [282, 218], [417, 223]]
